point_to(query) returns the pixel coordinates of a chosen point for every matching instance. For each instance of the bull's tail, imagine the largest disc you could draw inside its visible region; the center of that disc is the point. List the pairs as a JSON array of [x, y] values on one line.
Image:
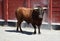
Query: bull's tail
[[16, 13]]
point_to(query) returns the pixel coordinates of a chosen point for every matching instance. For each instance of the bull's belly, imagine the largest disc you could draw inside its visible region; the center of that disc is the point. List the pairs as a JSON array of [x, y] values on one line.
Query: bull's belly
[[33, 21], [28, 20]]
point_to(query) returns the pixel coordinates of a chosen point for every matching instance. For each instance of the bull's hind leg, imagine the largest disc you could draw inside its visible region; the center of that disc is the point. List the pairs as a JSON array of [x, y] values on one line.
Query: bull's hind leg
[[19, 25]]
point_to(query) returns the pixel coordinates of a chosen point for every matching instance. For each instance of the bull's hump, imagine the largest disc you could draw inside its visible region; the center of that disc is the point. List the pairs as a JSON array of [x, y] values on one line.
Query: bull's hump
[[26, 13]]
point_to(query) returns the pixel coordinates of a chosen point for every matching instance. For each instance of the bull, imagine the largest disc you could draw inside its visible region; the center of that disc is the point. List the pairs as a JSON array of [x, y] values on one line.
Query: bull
[[30, 15]]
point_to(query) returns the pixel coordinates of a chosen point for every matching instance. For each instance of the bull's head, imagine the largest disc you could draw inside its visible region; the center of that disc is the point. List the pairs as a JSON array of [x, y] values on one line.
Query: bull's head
[[39, 11]]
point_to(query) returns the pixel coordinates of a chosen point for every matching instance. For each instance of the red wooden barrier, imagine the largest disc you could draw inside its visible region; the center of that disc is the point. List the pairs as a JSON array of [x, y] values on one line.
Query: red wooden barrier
[[11, 5], [1, 10], [56, 11]]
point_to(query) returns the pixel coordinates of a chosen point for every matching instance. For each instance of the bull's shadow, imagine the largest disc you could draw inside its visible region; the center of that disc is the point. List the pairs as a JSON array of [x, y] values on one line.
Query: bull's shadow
[[24, 32]]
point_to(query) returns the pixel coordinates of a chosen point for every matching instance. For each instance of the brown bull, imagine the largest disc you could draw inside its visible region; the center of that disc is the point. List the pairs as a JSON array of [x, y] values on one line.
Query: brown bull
[[30, 15]]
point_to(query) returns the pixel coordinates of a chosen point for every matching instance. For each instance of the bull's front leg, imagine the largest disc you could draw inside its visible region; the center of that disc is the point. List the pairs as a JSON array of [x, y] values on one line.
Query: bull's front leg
[[34, 28], [39, 30]]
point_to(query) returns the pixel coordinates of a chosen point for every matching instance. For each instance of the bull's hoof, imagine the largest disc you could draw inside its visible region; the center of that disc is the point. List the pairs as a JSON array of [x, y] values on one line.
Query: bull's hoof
[[34, 33], [21, 31], [39, 33], [17, 30]]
